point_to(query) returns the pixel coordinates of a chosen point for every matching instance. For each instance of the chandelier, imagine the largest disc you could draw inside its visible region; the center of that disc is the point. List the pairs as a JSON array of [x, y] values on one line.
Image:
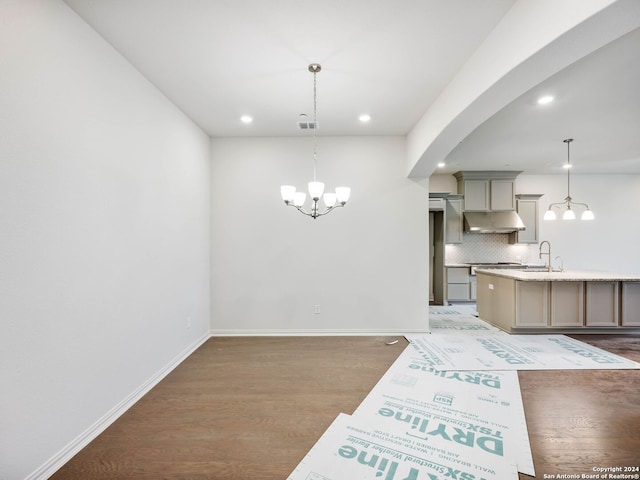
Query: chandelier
[[569, 213], [296, 199]]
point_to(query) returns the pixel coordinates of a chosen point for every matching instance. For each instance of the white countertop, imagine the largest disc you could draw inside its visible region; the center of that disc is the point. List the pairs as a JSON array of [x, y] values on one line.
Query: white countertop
[[566, 276]]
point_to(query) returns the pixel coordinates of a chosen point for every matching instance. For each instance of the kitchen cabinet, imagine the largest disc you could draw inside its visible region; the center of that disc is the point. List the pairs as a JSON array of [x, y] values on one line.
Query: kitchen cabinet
[[567, 304], [458, 284], [437, 201], [487, 191], [476, 195], [602, 304], [519, 300], [630, 304], [532, 304], [498, 299], [453, 219], [502, 194], [436, 204], [527, 208]]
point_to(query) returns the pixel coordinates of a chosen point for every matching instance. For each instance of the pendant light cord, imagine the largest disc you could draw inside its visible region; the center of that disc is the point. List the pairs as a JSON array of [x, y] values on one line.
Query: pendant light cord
[[568, 142], [315, 127]]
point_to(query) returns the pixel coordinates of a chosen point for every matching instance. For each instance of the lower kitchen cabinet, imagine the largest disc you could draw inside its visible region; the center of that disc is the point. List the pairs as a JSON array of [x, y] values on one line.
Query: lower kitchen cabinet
[[602, 299], [630, 304], [567, 304], [458, 284], [532, 304], [515, 303]]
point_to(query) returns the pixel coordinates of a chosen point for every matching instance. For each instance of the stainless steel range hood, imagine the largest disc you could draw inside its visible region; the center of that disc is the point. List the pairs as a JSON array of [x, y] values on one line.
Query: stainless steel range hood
[[492, 222]]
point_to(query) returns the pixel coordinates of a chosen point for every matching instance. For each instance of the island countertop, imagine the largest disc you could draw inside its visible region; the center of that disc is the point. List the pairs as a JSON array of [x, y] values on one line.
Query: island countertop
[[564, 276]]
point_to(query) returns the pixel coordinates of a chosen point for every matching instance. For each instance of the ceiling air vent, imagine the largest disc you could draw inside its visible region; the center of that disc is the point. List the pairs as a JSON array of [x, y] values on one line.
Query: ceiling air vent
[[305, 124]]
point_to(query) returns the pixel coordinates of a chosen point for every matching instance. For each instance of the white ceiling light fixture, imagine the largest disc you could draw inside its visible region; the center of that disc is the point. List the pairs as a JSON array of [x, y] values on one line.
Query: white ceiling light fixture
[[569, 213], [365, 118], [545, 99], [246, 119], [296, 199]]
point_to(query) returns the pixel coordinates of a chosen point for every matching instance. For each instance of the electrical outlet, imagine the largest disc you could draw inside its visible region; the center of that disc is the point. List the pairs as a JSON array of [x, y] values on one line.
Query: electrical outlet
[[188, 322], [316, 310]]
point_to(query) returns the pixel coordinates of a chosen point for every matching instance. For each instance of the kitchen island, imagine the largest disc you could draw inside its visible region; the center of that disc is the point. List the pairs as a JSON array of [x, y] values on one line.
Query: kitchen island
[[522, 301]]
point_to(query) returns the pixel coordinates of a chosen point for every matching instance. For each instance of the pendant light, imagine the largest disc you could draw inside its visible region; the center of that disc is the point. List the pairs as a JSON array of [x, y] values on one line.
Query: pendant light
[[569, 213], [297, 199]]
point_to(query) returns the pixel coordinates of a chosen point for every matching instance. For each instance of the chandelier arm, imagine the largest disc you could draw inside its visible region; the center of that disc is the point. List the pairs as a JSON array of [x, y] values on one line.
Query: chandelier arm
[[300, 209], [551, 205], [314, 213], [330, 209], [583, 204]]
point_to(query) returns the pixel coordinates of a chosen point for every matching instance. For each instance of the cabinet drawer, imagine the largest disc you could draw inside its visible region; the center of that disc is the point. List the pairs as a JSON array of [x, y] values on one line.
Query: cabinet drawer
[[458, 291], [458, 275]]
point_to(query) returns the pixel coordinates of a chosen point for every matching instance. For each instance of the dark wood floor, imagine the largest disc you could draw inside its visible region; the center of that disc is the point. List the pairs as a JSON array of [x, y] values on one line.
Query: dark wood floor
[[244, 408]]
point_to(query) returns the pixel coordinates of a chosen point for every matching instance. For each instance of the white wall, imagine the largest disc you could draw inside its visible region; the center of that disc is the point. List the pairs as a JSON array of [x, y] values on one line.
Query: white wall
[[610, 242], [104, 240], [366, 264]]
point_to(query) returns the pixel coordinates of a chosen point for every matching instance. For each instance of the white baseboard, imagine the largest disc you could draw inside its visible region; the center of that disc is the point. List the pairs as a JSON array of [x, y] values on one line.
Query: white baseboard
[[314, 332], [63, 456]]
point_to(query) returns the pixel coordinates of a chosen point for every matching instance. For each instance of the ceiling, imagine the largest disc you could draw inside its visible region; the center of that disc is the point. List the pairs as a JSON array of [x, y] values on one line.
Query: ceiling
[[220, 59]]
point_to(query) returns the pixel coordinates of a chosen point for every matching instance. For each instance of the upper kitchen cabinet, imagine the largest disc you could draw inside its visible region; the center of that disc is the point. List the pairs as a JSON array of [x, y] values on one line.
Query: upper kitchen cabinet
[[453, 219], [527, 208], [487, 190]]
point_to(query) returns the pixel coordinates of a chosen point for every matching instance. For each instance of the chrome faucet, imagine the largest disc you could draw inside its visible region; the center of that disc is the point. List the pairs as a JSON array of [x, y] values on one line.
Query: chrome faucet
[[548, 253], [561, 263]]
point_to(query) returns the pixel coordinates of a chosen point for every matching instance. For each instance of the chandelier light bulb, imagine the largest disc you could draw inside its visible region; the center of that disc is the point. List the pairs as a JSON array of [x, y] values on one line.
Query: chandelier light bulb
[[587, 215], [316, 189], [569, 215], [549, 215], [299, 199], [329, 199], [287, 192], [343, 194]]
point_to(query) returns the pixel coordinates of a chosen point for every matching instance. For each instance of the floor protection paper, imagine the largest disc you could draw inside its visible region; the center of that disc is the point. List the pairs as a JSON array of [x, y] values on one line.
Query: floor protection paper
[[514, 352], [458, 319], [354, 449], [476, 416]]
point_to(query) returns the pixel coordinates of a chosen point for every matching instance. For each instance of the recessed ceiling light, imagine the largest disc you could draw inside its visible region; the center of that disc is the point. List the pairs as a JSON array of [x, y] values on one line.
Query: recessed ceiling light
[[566, 166], [441, 165], [246, 119], [545, 99], [364, 118]]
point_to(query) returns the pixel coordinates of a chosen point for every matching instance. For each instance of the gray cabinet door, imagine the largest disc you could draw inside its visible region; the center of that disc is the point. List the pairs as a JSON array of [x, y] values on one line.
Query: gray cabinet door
[[502, 195], [476, 195], [453, 220]]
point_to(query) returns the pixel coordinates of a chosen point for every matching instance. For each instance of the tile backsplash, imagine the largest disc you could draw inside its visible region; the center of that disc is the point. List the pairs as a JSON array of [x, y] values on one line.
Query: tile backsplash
[[490, 247]]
